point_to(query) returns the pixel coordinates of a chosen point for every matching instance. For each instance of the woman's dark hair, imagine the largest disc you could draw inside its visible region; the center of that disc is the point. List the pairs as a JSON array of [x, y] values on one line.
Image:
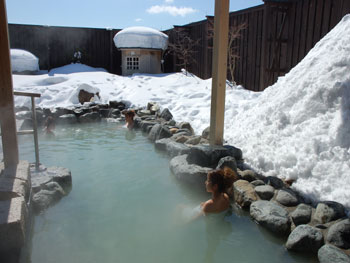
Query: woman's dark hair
[[223, 178]]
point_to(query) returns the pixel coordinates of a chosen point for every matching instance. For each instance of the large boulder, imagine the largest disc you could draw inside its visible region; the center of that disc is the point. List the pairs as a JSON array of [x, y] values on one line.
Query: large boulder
[[207, 156], [190, 173], [244, 193], [172, 148], [248, 175], [274, 181], [186, 125], [305, 238], [287, 197], [332, 254], [52, 193], [158, 132], [145, 125], [265, 192], [166, 114], [271, 216], [339, 234], [302, 214], [328, 211]]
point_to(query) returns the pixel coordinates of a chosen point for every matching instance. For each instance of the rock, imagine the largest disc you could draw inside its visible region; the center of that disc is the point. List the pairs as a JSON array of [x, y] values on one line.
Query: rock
[[305, 238], [257, 182], [85, 96], [142, 113], [234, 152], [62, 176], [174, 148], [228, 161], [265, 192], [287, 197], [274, 181], [190, 173], [339, 234], [158, 132], [302, 214], [47, 197], [117, 105], [271, 216], [153, 107], [27, 124], [205, 133], [89, 117], [21, 115], [194, 140], [244, 193], [181, 139], [161, 144], [328, 211], [248, 175], [12, 188], [115, 113], [205, 155], [56, 112], [104, 113], [166, 114], [144, 125], [171, 123], [332, 254], [67, 119], [186, 125]]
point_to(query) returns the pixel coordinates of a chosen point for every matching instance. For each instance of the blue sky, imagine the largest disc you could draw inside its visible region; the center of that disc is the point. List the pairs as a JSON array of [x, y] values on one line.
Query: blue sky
[[159, 14]]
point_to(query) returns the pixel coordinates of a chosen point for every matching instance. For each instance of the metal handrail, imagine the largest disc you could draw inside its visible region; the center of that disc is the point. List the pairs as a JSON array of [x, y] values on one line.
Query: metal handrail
[[35, 125]]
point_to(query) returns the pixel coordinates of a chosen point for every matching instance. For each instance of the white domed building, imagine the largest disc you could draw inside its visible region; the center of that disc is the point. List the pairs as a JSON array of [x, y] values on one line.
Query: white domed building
[[142, 49]]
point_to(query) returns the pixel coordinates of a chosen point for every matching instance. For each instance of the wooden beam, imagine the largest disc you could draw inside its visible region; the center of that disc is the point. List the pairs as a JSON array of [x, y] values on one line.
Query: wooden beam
[[219, 72], [7, 113]]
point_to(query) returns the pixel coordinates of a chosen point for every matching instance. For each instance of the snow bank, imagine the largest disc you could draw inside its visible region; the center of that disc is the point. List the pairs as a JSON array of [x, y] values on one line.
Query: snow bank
[[141, 37], [75, 68], [299, 128], [22, 60]]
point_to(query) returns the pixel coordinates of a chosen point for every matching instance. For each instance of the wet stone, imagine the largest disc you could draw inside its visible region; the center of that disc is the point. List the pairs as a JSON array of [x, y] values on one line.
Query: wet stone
[[302, 214]]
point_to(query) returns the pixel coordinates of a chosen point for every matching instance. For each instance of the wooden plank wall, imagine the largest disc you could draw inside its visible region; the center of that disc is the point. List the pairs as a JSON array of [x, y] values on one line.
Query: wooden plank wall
[[55, 46], [307, 21]]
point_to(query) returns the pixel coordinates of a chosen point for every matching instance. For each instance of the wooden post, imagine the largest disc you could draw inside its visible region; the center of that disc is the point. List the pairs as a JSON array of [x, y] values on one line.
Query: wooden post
[[7, 113], [219, 72]]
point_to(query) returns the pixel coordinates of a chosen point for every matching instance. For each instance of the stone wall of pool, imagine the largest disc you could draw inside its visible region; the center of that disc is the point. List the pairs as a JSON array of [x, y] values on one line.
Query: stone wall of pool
[[321, 228]]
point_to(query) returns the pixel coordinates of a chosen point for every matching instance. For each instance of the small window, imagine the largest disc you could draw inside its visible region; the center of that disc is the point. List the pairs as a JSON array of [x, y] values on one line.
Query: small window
[[132, 63]]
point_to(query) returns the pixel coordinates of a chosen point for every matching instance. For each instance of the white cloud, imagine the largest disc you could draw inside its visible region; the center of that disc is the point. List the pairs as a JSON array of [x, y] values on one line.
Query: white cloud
[[172, 10], [138, 19], [169, 1]]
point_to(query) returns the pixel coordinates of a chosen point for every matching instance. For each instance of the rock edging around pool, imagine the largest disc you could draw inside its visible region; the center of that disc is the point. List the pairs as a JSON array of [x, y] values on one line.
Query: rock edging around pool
[[24, 190], [323, 228]]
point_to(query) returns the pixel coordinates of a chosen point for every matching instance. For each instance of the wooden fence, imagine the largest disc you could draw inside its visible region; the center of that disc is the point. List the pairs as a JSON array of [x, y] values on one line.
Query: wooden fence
[[278, 35]]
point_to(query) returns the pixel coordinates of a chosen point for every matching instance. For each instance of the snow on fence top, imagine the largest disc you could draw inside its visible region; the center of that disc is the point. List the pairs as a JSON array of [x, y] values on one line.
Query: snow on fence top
[[141, 37], [22, 60]]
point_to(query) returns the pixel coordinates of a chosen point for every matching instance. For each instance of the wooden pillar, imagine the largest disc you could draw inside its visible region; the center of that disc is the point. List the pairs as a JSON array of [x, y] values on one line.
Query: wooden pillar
[[7, 113], [219, 72]]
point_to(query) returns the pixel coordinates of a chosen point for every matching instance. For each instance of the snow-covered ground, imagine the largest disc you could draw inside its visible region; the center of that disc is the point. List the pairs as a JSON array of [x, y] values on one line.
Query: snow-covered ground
[[298, 128]]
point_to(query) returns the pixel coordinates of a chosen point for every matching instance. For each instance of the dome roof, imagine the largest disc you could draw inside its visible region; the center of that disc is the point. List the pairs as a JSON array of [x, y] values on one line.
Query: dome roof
[[141, 37]]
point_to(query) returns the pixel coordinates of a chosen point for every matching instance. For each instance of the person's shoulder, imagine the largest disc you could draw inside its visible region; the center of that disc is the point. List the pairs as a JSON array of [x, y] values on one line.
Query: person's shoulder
[[208, 206]]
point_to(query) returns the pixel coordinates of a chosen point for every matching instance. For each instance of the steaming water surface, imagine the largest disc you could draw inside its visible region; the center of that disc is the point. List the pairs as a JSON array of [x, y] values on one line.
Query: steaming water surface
[[124, 207]]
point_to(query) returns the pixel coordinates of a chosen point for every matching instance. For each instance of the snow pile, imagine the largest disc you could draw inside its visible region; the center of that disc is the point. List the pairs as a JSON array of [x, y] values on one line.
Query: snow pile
[[298, 128], [75, 68], [141, 37], [22, 60]]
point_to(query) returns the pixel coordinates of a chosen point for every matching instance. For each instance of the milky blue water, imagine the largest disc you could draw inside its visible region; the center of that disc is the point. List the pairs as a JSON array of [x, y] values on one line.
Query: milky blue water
[[125, 206]]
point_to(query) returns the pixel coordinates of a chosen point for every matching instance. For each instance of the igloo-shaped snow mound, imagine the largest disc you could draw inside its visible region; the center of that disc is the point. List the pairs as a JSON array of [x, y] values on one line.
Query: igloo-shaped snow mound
[[22, 60], [141, 37]]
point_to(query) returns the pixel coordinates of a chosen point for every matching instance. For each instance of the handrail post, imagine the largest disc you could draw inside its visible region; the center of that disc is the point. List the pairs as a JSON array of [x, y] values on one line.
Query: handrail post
[[35, 129]]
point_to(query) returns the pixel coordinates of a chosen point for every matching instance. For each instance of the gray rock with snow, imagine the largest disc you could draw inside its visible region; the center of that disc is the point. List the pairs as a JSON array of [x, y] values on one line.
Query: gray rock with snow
[[265, 192], [332, 254], [271, 216], [339, 234], [158, 132], [302, 214], [205, 155], [287, 197], [305, 238], [328, 211]]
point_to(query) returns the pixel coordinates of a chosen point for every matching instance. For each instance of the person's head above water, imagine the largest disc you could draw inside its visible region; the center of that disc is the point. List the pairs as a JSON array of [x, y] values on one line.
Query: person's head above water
[[221, 180], [129, 118]]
